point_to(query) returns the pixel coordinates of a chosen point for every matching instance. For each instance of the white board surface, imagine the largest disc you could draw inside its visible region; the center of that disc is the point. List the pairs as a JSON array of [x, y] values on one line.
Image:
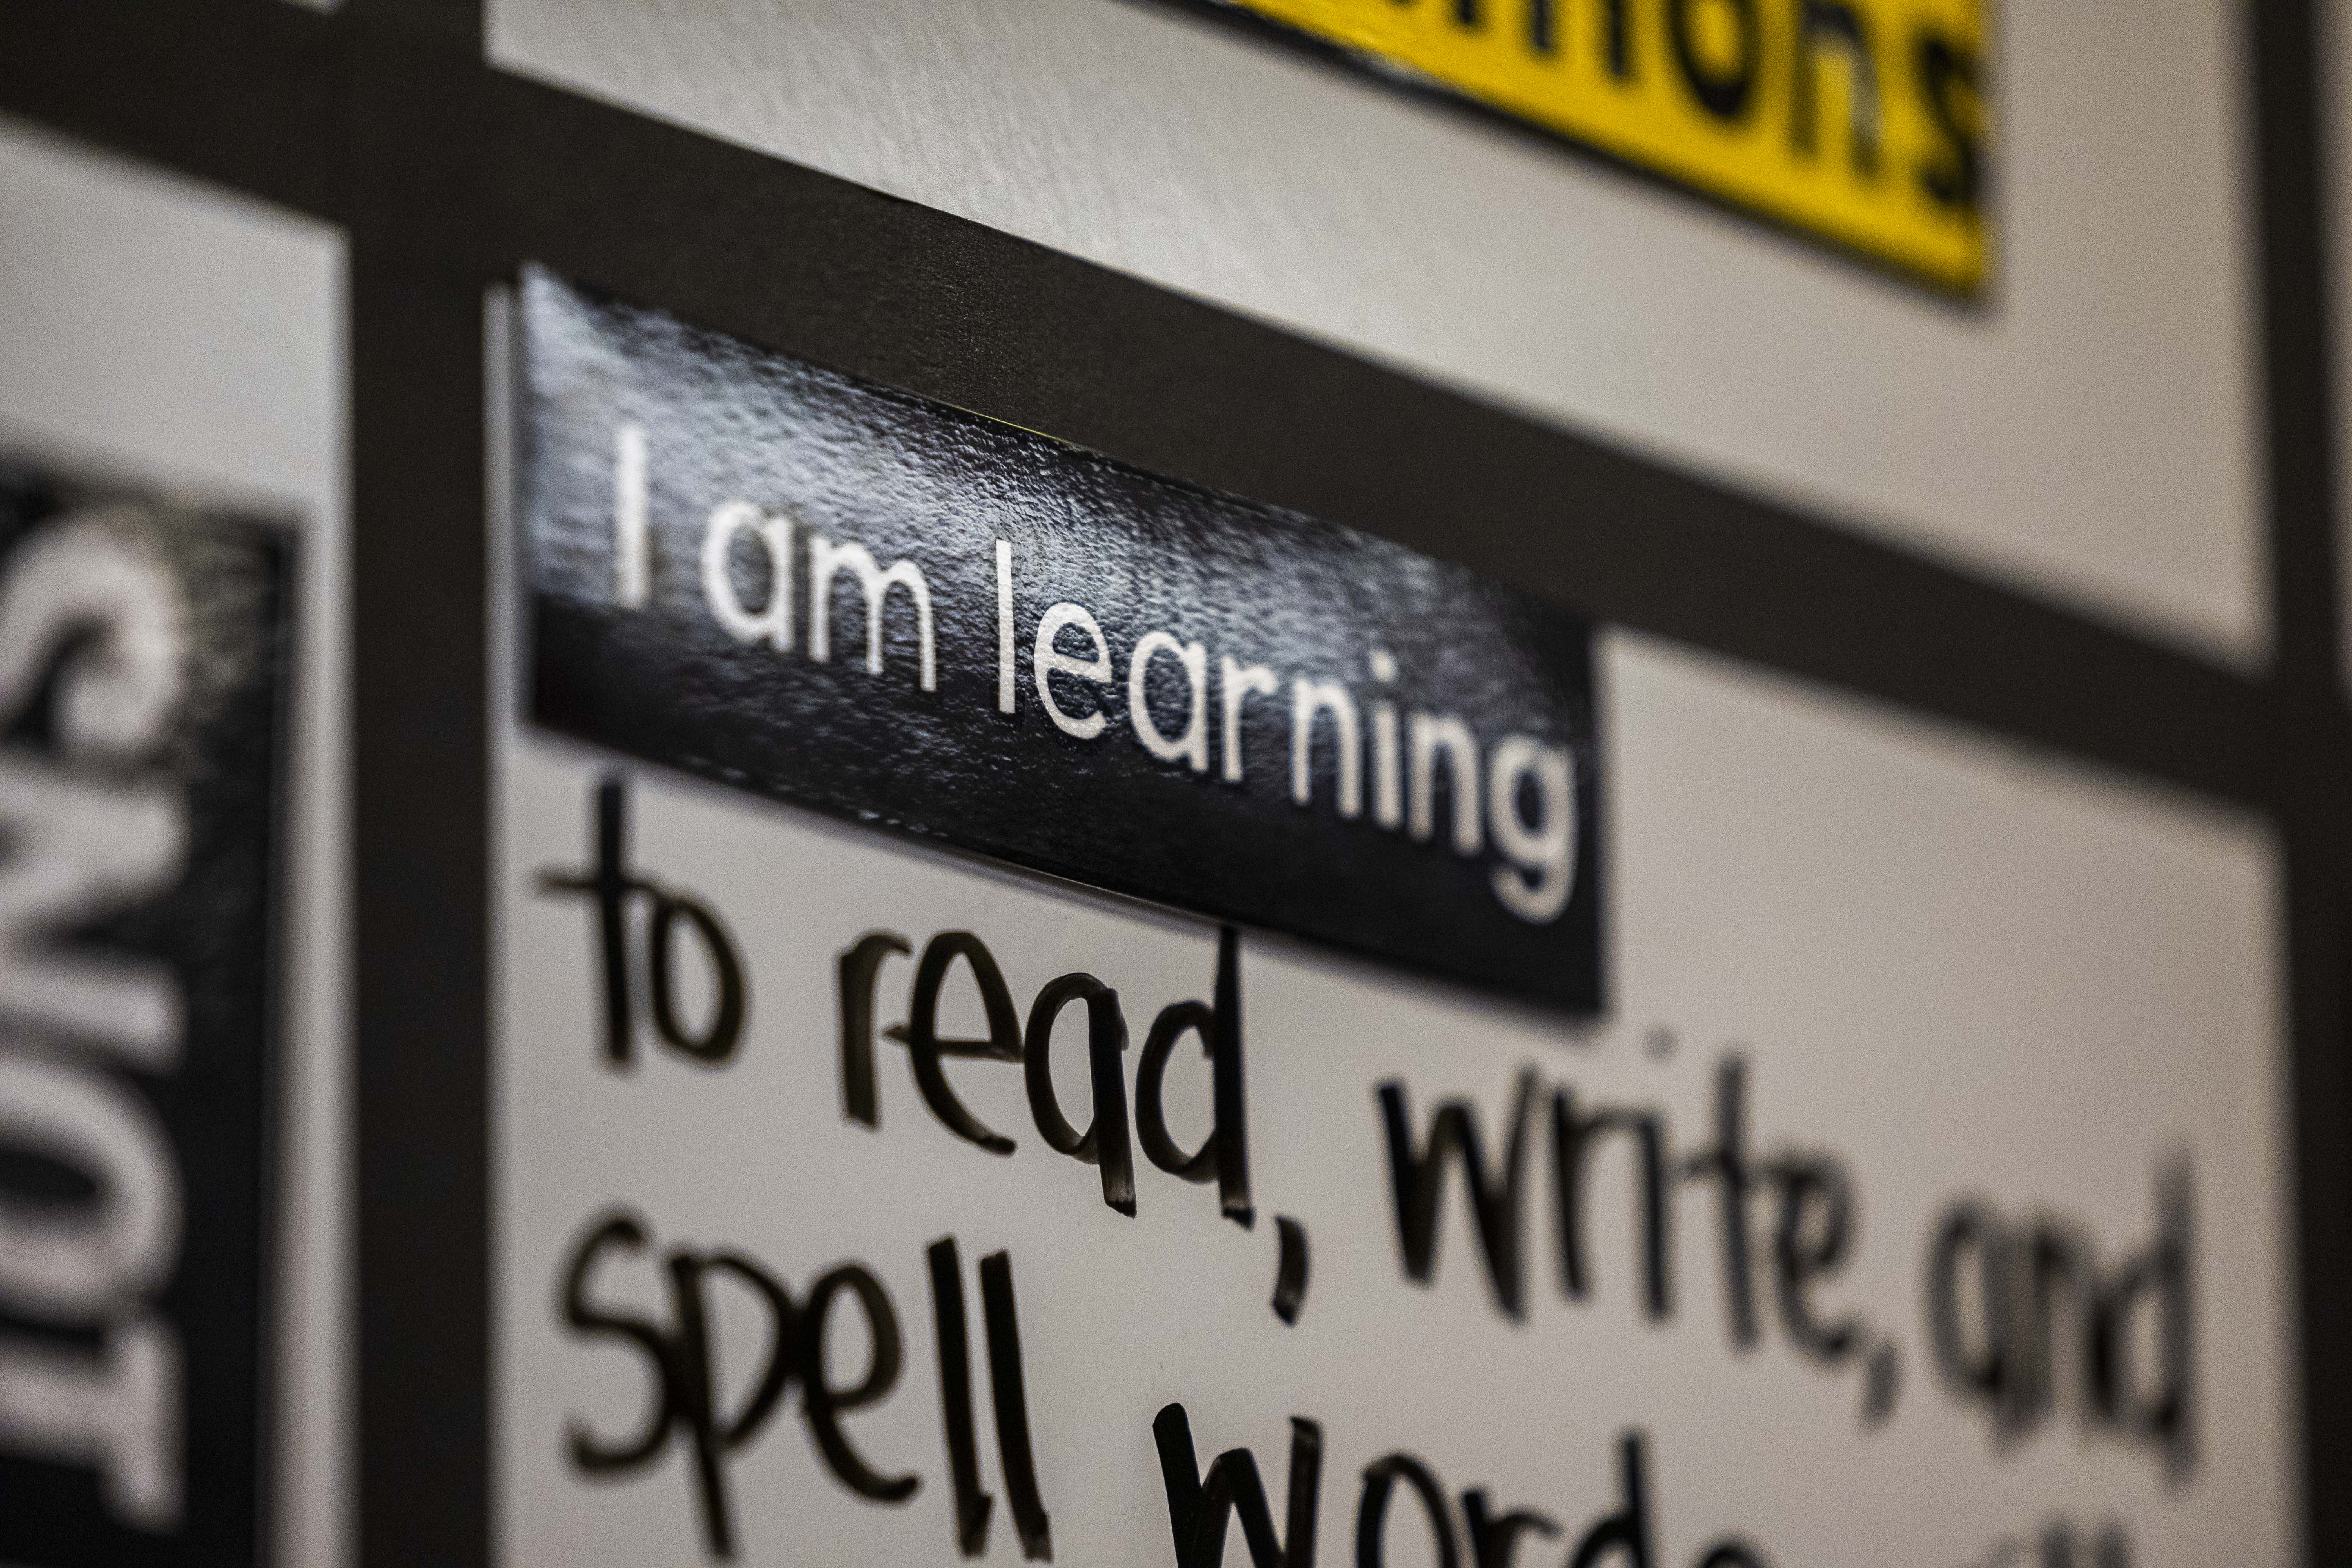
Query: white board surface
[[1962, 973]]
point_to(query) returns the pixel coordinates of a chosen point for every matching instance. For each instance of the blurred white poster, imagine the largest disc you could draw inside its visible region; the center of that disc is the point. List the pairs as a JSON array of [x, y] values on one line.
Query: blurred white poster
[[172, 1229]]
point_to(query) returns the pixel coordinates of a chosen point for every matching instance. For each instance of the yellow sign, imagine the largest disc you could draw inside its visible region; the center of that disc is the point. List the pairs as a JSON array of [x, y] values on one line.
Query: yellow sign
[[1861, 121]]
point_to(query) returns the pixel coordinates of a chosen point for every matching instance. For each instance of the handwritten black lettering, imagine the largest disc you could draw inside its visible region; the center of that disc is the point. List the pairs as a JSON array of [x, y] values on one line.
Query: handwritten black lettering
[[1200, 1506], [1417, 1184], [612, 887]]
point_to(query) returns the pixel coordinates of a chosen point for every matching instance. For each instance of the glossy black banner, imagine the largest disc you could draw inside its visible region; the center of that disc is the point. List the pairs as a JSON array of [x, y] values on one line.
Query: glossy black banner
[[145, 662], [832, 594]]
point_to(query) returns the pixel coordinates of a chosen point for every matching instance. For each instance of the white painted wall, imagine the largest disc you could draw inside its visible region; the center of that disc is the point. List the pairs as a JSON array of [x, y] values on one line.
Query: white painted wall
[[2089, 434]]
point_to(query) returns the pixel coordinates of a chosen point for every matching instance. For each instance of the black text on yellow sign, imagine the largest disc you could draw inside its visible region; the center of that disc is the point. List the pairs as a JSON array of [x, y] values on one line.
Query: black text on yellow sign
[[1860, 122]]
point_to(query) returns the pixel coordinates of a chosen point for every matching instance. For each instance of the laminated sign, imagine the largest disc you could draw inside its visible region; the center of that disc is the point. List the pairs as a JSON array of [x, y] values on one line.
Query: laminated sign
[[1047, 1015], [144, 654], [801, 585], [1860, 122]]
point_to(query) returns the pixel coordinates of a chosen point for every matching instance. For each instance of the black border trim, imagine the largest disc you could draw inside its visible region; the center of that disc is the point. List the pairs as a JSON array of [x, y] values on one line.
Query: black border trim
[[411, 132], [2286, 57], [237, 92], [966, 315]]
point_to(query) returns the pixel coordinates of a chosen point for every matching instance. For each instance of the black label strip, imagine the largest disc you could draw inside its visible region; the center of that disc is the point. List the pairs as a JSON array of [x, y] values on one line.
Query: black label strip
[[831, 594]]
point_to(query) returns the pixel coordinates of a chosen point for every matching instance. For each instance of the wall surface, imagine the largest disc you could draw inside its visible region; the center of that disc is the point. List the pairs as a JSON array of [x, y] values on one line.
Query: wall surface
[[2086, 433]]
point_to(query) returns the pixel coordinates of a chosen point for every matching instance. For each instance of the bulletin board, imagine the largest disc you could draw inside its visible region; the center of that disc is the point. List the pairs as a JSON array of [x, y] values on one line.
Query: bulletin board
[[1322, 961]]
